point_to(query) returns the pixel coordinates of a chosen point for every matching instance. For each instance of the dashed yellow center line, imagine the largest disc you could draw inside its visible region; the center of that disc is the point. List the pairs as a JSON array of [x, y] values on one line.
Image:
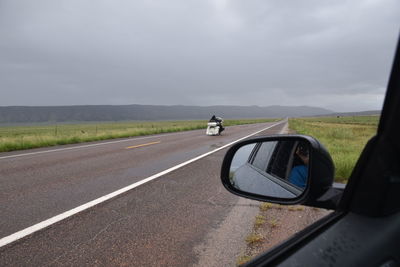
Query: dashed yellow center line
[[148, 144]]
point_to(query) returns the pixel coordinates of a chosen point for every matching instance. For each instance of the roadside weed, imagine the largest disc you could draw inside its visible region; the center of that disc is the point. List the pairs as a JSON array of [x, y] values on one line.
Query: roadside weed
[[260, 220], [265, 206], [242, 260], [253, 239], [273, 223], [295, 208]]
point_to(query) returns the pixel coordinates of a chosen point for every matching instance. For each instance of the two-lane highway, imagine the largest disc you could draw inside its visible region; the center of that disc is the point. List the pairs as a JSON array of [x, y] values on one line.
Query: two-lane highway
[[142, 226]]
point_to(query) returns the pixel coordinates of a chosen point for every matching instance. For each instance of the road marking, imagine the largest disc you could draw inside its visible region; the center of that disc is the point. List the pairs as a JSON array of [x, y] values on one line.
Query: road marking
[[85, 146], [40, 226], [148, 144]]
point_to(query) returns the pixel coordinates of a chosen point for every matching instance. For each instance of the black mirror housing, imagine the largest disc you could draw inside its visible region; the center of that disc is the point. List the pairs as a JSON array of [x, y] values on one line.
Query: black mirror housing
[[320, 172]]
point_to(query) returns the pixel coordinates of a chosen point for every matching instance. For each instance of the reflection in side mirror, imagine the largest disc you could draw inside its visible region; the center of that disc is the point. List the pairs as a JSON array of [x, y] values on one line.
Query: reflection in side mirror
[[277, 169], [284, 169]]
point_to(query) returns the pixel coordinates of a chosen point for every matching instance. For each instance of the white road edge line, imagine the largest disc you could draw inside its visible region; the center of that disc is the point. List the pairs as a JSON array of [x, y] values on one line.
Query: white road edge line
[[85, 146], [39, 226]]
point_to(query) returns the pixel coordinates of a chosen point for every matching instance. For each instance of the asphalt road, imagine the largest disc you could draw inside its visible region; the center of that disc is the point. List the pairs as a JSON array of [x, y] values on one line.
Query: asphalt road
[[155, 224]]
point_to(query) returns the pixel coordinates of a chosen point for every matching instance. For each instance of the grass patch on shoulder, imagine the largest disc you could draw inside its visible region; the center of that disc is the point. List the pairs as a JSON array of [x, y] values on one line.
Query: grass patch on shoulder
[[265, 206], [27, 137], [260, 220], [273, 223], [253, 239], [344, 137], [242, 260]]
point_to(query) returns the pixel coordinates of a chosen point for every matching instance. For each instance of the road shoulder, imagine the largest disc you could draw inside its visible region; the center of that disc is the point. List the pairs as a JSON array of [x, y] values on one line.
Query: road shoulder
[[223, 244]]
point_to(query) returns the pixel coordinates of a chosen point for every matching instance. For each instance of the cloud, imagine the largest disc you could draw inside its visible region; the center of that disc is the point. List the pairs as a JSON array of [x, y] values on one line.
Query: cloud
[[197, 52]]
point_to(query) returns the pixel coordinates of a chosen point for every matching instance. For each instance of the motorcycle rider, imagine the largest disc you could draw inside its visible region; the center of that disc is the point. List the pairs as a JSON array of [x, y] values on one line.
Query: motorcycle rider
[[219, 121]]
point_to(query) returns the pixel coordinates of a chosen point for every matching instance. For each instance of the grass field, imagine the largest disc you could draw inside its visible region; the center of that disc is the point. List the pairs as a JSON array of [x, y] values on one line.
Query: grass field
[[26, 137], [344, 137]]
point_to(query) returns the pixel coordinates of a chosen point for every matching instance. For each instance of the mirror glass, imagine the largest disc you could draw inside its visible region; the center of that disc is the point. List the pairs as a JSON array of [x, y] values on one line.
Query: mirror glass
[[273, 168]]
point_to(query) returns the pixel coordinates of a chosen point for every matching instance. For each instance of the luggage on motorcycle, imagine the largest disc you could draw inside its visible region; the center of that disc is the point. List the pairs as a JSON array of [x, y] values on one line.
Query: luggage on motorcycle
[[212, 128]]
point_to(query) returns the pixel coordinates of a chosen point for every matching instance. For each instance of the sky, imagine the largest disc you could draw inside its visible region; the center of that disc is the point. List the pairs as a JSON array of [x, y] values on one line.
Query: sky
[[333, 54]]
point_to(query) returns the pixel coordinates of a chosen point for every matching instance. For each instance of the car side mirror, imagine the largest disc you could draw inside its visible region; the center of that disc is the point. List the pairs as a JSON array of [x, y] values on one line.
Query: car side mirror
[[284, 169]]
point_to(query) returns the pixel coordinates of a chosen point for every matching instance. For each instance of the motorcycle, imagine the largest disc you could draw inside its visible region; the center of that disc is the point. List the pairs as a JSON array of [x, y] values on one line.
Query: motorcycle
[[214, 126]]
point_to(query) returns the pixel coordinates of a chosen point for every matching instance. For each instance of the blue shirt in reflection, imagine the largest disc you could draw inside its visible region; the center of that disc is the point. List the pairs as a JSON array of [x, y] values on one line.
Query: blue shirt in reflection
[[298, 176]]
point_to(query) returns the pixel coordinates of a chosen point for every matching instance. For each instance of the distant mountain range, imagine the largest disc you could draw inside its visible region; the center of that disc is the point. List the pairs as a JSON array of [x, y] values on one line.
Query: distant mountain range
[[43, 114]]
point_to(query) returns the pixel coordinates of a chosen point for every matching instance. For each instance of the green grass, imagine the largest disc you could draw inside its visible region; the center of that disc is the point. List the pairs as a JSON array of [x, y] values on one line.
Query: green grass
[[361, 120], [26, 137], [344, 137]]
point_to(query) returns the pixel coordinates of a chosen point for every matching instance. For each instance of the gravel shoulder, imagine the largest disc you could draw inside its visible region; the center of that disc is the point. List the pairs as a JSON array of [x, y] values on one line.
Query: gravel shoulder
[[276, 223], [216, 251]]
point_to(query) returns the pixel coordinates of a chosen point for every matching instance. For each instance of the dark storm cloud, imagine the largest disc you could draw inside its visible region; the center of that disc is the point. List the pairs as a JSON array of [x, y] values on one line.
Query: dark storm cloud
[[334, 54]]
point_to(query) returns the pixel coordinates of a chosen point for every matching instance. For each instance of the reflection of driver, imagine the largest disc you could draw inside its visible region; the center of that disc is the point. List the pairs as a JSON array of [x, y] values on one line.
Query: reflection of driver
[[298, 175]]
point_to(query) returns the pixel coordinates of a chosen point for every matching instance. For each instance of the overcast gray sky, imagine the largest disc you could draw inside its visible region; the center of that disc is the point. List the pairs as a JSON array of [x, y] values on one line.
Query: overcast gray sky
[[333, 54]]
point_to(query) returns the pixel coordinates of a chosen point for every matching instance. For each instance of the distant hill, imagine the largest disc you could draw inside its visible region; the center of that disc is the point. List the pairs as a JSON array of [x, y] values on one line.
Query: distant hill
[[27, 114]]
